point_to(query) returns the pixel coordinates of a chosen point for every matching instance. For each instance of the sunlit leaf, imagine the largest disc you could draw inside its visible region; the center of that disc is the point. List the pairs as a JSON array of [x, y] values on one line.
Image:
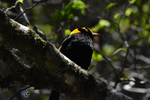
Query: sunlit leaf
[[133, 9], [116, 16], [78, 5], [128, 12], [67, 32], [109, 6], [104, 23], [21, 1], [96, 56], [95, 28]]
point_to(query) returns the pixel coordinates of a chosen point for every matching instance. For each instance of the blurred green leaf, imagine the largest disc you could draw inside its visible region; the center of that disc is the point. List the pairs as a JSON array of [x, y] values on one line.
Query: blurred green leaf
[[147, 26], [21, 1], [67, 32], [46, 29], [124, 24], [128, 12], [117, 16], [134, 9], [104, 23], [131, 10], [68, 8], [96, 56], [109, 6], [70, 16], [125, 77], [118, 50], [136, 42], [146, 8], [132, 45], [78, 5], [132, 1], [55, 37], [83, 11], [62, 13], [108, 49], [95, 28], [4, 4]]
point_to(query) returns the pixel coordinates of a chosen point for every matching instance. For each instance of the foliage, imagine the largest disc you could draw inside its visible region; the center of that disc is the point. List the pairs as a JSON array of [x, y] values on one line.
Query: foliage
[[21, 1]]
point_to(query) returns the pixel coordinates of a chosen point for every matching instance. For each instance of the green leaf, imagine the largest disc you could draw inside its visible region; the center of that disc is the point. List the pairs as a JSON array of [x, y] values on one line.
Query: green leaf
[[55, 37], [132, 45], [96, 56], [70, 16], [21, 1], [68, 8], [108, 50], [78, 5], [109, 6], [83, 11], [128, 12], [132, 1], [136, 42], [103, 23], [67, 32], [120, 49], [116, 16]]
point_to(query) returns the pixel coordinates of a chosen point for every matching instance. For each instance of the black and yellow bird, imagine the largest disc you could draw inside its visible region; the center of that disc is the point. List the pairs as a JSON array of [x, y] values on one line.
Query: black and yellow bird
[[78, 47]]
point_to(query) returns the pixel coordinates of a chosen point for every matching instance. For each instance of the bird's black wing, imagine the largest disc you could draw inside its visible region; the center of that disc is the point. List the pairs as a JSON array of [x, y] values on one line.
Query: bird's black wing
[[65, 43]]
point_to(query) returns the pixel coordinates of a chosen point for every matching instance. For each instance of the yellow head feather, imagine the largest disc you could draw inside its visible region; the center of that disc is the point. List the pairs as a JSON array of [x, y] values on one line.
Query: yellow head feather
[[77, 31]]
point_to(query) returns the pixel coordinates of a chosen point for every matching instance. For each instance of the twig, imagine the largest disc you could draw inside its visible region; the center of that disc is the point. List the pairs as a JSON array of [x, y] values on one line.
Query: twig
[[30, 8], [24, 14], [11, 7], [109, 61]]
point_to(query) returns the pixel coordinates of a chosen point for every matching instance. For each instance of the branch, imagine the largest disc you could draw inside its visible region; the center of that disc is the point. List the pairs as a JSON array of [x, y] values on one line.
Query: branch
[[53, 70]]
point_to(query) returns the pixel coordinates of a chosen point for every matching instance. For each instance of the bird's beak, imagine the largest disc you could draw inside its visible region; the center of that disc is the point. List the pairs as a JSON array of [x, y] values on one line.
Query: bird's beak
[[96, 34]]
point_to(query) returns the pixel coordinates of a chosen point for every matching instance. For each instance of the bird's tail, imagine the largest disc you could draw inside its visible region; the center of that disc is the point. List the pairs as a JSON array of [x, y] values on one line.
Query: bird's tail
[[54, 95]]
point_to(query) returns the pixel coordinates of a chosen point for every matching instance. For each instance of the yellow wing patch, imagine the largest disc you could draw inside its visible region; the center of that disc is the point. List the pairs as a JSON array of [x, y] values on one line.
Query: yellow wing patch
[[59, 48]]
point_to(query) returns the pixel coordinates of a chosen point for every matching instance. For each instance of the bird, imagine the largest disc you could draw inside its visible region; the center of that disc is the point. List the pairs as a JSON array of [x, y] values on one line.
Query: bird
[[78, 47]]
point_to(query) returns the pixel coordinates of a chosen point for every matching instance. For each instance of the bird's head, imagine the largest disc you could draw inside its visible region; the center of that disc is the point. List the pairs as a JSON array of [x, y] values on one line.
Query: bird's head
[[85, 30]]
